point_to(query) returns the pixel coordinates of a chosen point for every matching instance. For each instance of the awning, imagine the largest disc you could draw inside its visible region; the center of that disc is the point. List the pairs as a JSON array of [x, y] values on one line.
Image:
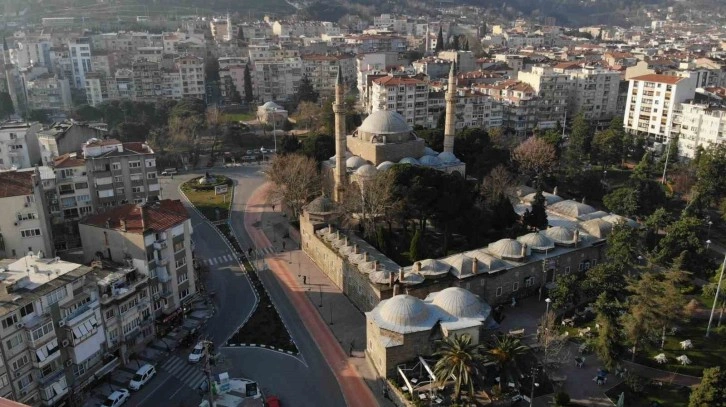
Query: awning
[[41, 355], [57, 388]]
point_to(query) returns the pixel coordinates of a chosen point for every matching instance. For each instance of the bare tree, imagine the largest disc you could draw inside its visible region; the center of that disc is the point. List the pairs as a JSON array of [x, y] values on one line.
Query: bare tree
[[498, 182], [214, 121], [535, 156], [184, 132], [552, 343], [296, 181], [371, 201], [309, 113]]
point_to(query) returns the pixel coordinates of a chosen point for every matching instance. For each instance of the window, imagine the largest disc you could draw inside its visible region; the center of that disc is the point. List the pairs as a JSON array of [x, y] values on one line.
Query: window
[[4, 380], [529, 281], [83, 198], [178, 246], [116, 166], [182, 277], [119, 191], [14, 341], [42, 331], [110, 313], [81, 185], [25, 381], [135, 177], [183, 293], [134, 164], [181, 262], [119, 179], [137, 189], [129, 305], [567, 270], [127, 328], [56, 296], [26, 310], [10, 321], [30, 233], [151, 163], [499, 291], [515, 286], [151, 175], [22, 361]]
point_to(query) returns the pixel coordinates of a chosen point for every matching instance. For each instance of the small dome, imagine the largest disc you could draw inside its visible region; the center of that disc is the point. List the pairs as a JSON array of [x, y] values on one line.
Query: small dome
[[431, 268], [572, 209], [507, 249], [560, 235], [348, 154], [409, 160], [615, 219], [321, 204], [594, 215], [379, 276], [537, 241], [411, 279], [448, 158], [354, 162], [404, 310], [367, 171], [549, 198], [430, 151], [385, 122], [385, 165], [597, 227], [429, 161], [271, 105], [460, 303]]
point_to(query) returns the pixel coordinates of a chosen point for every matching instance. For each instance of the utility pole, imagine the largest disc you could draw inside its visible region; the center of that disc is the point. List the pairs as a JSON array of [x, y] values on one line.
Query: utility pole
[[208, 371], [715, 298]]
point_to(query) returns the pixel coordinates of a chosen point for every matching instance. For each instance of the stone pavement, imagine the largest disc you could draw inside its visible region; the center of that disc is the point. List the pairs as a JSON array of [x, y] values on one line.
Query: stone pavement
[[319, 303]]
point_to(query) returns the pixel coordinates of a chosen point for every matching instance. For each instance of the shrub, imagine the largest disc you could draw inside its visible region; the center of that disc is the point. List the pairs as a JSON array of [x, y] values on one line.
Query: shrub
[[562, 399], [635, 383]]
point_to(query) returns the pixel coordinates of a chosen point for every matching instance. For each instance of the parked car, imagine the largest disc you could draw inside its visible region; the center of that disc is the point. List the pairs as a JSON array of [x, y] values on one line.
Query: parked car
[[197, 353], [142, 376], [116, 398], [272, 401], [169, 171]]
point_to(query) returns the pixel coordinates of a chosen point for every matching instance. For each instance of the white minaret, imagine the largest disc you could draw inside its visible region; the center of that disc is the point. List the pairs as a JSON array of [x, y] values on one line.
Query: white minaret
[[339, 174], [228, 37], [427, 42], [450, 126]]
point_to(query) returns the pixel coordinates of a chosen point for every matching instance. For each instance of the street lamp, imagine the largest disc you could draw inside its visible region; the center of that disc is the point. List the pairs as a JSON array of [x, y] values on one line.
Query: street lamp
[[274, 126], [708, 243], [531, 394], [548, 301], [544, 274], [715, 298], [710, 223]]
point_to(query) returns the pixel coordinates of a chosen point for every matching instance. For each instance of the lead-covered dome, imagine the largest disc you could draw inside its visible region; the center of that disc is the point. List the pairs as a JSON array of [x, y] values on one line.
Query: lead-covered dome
[[385, 122], [537, 241], [561, 235], [271, 105], [354, 162], [366, 171], [448, 158], [429, 161], [507, 249], [572, 209], [385, 165], [409, 160], [460, 303], [404, 310], [321, 204], [430, 151]]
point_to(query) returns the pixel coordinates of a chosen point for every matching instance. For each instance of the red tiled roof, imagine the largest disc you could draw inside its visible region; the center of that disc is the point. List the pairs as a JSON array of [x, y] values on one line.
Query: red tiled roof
[[66, 161], [568, 65], [669, 79], [137, 147], [397, 80], [157, 216], [9, 403], [104, 142], [13, 183]]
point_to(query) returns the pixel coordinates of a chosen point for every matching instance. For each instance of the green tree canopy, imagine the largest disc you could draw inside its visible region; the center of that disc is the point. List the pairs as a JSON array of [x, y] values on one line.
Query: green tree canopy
[[6, 105], [607, 147], [306, 91], [458, 357], [681, 236], [439, 41], [249, 94], [711, 392], [319, 146]]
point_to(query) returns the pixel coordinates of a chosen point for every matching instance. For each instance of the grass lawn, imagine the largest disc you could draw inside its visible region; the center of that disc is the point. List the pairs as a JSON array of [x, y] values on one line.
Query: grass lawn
[[666, 395], [706, 352], [204, 199], [239, 117]]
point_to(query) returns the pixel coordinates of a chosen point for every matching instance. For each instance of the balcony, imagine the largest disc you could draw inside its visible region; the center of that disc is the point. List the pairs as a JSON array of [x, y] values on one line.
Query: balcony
[[160, 245], [121, 284], [81, 313]]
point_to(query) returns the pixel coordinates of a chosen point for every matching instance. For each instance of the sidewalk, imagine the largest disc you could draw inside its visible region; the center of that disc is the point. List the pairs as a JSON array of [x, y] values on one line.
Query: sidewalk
[[347, 332]]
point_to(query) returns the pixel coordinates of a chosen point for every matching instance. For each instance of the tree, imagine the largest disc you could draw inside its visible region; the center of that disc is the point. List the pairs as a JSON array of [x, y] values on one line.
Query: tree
[[320, 147], [306, 92], [310, 114], [623, 247], [535, 156], [289, 144], [553, 137], [249, 96], [565, 291], [499, 182], [537, 217], [455, 43], [681, 236], [6, 105], [460, 358], [711, 392], [295, 181], [414, 246], [87, 113], [504, 350], [623, 201], [607, 147], [371, 201], [439, 41], [579, 144], [549, 338], [240, 33], [604, 278], [711, 185], [607, 343], [211, 69]]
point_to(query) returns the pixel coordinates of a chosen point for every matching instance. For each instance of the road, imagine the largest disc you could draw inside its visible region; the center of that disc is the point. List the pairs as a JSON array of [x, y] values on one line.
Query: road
[[306, 380]]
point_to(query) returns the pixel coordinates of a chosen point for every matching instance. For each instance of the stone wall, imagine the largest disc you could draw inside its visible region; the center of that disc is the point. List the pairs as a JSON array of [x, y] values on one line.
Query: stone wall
[[378, 153], [386, 359]]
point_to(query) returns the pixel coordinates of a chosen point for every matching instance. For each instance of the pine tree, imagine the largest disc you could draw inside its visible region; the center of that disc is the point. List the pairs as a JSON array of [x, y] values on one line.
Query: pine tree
[[455, 43], [240, 33], [249, 97], [439, 41], [306, 92]]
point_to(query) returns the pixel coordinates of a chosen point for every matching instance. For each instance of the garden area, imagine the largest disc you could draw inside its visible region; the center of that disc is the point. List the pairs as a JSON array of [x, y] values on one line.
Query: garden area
[[639, 393], [239, 117], [203, 196]]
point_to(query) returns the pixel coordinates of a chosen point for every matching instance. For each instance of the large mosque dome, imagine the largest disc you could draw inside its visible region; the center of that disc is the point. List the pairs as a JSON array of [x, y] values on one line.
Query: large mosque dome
[[385, 122], [461, 303]]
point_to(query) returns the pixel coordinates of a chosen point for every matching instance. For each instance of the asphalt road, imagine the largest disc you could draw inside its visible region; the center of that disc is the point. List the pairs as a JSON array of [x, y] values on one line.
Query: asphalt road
[[298, 381]]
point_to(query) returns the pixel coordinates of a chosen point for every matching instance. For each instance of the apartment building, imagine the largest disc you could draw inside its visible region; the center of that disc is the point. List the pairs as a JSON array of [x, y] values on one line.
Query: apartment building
[[595, 92], [96, 88], [703, 126], [69, 198], [276, 79], [403, 94], [146, 80], [520, 104], [120, 173], [18, 145], [365, 43], [191, 72], [232, 76], [66, 137], [465, 60], [371, 66], [48, 92], [652, 104], [322, 70], [26, 226], [256, 30], [156, 238], [553, 89], [80, 59]]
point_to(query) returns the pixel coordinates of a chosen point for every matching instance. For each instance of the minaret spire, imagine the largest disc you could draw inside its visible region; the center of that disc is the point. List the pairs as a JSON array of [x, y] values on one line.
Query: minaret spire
[[340, 147], [450, 127]]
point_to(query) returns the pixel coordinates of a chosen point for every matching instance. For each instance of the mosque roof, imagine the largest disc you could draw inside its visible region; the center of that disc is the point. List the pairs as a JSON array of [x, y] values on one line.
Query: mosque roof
[[385, 122]]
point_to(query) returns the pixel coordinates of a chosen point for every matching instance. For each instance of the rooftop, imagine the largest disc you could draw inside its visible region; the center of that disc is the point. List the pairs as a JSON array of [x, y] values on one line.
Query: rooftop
[[668, 79], [14, 183], [130, 218], [32, 271]]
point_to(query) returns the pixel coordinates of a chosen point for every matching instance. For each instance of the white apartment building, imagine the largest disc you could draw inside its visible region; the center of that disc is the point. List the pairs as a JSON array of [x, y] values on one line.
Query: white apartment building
[[157, 238], [553, 89], [475, 109], [96, 88], [405, 95], [276, 72], [191, 70], [519, 105], [232, 74], [465, 60], [18, 145], [48, 92], [652, 104], [701, 126], [594, 91], [31, 52], [80, 59], [69, 198], [66, 137], [26, 226], [322, 70]]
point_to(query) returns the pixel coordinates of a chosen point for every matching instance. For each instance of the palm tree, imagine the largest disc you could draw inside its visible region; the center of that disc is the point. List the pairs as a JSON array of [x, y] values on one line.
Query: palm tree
[[460, 358], [504, 351]]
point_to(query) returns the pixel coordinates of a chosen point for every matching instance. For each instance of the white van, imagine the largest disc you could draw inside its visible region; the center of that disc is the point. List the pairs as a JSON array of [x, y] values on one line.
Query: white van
[[142, 376]]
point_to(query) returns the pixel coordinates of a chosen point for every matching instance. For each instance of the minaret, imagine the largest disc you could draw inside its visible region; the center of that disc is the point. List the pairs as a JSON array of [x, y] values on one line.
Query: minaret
[[427, 41], [229, 28], [450, 127], [340, 148]]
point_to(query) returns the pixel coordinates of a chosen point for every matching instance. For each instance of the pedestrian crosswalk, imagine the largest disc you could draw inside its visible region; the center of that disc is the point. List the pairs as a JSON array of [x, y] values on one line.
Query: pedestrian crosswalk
[[264, 251], [189, 374], [229, 258]]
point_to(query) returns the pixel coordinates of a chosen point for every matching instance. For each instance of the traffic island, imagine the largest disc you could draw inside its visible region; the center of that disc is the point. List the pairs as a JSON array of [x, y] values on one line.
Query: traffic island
[[211, 195]]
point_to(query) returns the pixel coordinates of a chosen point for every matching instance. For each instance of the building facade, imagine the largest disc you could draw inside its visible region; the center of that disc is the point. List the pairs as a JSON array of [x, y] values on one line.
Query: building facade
[[701, 126], [26, 226], [406, 95]]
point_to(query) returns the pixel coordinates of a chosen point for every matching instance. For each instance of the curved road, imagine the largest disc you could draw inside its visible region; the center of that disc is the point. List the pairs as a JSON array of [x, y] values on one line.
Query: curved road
[[298, 381]]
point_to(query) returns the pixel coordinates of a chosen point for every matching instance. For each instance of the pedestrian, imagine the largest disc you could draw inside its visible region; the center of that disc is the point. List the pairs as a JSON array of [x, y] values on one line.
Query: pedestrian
[[283, 245], [273, 207], [350, 351], [249, 252], [305, 279]]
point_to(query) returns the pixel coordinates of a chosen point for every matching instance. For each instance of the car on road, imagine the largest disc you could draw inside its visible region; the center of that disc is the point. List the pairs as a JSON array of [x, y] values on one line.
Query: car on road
[[272, 401], [169, 171], [197, 353], [142, 376], [116, 398]]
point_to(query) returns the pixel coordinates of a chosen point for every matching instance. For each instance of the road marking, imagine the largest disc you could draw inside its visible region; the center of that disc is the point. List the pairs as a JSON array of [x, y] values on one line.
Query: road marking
[[213, 261], [228, 258], [189, 374], [154, 391], [175, 393]]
